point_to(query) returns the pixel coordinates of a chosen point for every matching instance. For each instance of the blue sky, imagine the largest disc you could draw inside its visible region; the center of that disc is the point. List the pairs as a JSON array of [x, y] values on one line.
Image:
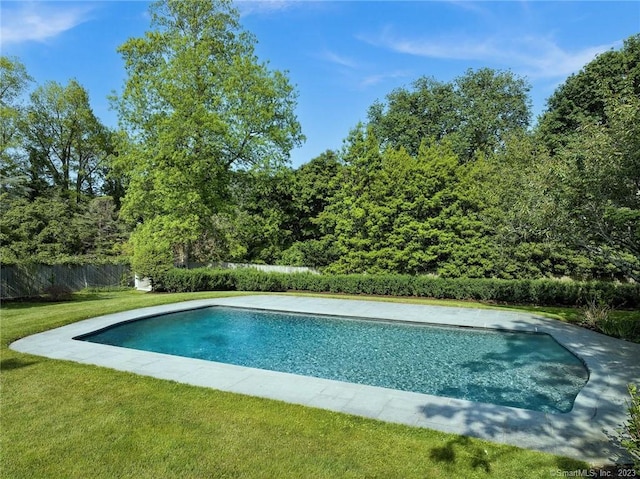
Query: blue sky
[[341, 55]]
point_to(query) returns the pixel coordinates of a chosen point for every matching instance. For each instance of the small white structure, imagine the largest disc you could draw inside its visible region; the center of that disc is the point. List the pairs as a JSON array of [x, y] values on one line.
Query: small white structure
[[142, 284]]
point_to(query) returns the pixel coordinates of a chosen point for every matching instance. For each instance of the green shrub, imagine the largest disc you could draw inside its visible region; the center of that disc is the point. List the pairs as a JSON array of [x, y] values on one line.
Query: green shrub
[[254, 280], [631, 430], [623, 328], [179, 280], [541, 292], [595, 314]]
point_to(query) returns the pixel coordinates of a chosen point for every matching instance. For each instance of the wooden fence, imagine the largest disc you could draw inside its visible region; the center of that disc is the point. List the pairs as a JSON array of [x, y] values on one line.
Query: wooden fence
[[32, 280]]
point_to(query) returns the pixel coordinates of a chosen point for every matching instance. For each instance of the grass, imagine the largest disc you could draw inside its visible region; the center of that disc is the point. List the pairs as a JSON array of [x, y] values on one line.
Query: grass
[[68, 420]]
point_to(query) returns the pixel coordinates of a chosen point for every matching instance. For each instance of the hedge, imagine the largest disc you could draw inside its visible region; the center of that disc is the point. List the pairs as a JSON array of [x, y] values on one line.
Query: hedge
[[544, 292]]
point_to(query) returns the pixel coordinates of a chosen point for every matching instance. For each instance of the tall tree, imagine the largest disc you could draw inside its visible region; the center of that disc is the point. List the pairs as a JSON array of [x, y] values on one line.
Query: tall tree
[[429, 111], [408, 214], [596, 176], [314, 183], [14, 81], [66, 143], [476, 112], [585, 96], [493, 106], [591, 177], [196, 103]]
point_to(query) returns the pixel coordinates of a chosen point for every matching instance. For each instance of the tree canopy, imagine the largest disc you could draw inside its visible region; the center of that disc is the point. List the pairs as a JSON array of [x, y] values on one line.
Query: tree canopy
[[408, 214], [476, 112], [54, 168], [66, 144], [445, 178], [196, 103], [14, 81], [587, 96]]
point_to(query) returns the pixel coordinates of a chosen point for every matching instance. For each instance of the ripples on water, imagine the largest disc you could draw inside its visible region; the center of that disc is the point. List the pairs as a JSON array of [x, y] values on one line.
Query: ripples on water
[[524, 370]]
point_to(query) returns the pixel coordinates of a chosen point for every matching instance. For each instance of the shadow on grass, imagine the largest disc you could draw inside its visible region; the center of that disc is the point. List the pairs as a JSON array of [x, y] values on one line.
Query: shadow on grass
[[16, 363], [462, 449], [568, 464], [447, 453], [27, 303]]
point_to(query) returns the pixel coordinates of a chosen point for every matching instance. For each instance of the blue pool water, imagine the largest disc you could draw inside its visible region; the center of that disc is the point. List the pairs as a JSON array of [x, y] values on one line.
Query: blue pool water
[[524, 370]]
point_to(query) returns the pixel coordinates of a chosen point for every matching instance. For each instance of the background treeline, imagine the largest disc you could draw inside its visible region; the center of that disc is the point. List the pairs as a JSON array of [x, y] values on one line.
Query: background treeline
[[452, 178], [59, 198]]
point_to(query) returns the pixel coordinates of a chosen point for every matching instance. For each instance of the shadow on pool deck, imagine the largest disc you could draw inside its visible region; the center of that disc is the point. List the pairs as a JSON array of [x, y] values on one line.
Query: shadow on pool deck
[[603, 394]]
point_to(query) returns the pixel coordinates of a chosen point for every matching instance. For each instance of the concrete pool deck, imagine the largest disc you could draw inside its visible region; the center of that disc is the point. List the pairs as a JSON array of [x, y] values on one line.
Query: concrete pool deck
[[588, 432]]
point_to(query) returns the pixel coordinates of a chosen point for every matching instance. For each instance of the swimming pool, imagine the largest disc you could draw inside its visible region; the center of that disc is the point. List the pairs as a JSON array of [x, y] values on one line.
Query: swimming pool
[[518, 369], [584, 433]]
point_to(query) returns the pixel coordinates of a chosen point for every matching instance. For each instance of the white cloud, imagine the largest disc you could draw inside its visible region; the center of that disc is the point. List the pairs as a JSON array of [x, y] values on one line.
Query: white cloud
[[381, 77], [544, 58], [274, 7], [356, 72], [535, 56], [39, 21], [341, 60], [474, 7], [255, 7]]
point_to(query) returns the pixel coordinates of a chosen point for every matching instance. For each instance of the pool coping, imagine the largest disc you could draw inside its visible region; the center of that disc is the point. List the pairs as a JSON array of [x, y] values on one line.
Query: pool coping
[[587, 432]]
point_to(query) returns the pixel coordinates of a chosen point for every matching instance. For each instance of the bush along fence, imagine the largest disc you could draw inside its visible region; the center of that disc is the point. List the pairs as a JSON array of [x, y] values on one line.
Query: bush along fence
[[144, 283], [546, 292], [27, 281]]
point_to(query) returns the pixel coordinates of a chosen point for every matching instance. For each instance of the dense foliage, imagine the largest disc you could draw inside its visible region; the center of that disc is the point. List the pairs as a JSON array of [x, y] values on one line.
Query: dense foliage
[[631, 429], [582, 176], [541, 291], [54, 230], [58, 198], [196, 104], [408, 214], [447, 179], [475, 113]]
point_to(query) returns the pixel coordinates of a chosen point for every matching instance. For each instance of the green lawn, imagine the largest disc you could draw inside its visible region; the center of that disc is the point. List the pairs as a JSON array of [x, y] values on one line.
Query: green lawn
[[61, 419]]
